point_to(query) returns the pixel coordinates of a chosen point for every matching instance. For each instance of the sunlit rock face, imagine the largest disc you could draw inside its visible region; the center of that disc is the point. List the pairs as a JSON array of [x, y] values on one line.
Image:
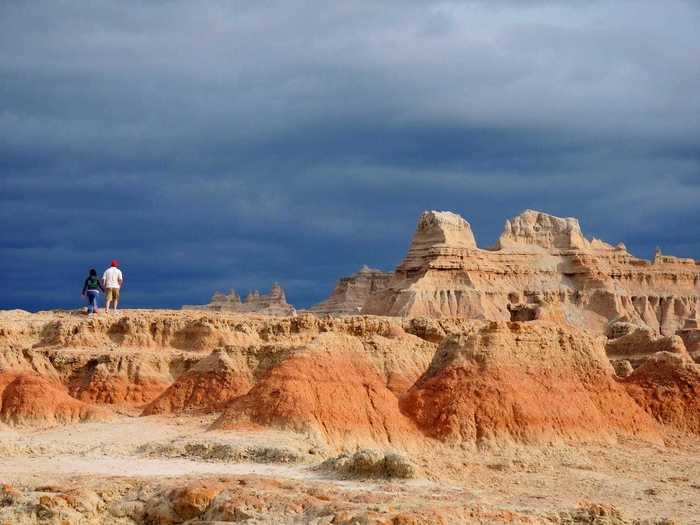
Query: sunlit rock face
[[541, 264], [537, 229]]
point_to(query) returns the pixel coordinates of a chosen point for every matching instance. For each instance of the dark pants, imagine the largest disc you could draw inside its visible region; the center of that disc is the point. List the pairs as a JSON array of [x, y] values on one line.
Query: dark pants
[[92, 300]]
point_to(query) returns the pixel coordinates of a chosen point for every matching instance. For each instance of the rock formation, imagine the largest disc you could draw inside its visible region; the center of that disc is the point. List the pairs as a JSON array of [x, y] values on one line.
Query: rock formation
[[328, 390], [690, 334], [339, 379], [31, 400], [641, 344], [118, 380], [541, 267], [351, 293], [273, 303], [523, 382], [539, 230], [209, 386], [176, 362], [668, 387]]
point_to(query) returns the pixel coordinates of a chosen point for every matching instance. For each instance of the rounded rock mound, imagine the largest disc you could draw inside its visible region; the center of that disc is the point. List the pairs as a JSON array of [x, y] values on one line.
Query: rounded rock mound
[[329, 390], [535, 382], [208, 386], [667, 386], [30, 400]]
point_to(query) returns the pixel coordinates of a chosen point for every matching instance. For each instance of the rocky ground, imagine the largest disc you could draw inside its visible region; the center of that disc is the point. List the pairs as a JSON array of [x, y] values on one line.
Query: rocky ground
[[172, 469], [164, 417]]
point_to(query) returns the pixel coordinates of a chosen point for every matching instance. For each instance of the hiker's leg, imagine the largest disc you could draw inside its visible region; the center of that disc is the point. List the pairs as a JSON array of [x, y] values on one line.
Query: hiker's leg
[[91, 302]]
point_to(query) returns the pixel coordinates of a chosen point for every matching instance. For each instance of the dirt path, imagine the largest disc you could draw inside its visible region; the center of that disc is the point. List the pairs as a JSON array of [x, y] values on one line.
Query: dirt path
[[154, 447], [22, 469]]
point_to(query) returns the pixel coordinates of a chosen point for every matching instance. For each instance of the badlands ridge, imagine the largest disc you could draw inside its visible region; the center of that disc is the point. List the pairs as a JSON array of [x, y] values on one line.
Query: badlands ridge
[[539, 262], [551, 379]]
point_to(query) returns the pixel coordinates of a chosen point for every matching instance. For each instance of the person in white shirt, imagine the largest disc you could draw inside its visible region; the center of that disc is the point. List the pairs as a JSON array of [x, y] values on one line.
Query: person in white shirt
[[112, 281]]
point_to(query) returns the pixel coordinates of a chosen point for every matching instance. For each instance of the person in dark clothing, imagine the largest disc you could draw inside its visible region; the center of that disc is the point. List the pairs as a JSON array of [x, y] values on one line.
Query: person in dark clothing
[[91, 289]]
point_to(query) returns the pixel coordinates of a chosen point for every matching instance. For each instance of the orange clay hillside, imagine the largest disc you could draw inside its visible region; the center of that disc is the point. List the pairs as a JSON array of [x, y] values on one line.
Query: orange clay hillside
[[524, 382], [29, 400], [353, 380], [330, 390], [209, 385]]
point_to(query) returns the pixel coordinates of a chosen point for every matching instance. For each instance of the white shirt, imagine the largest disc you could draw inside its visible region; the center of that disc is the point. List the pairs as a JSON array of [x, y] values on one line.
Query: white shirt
[[111, 277]]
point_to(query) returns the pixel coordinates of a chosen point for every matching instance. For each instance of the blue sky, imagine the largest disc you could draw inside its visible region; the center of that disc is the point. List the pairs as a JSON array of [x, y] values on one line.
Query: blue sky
[[229, 144]]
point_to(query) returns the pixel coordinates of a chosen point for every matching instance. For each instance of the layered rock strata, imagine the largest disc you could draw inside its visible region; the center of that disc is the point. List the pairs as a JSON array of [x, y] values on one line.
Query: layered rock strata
[[172, 362], [351, 381], [208, 386], [329, 390], [641, 344], [540, 262], [524, 382]]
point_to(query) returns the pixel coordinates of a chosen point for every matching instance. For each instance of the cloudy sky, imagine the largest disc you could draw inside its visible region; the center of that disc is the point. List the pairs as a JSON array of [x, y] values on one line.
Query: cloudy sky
[[219, 144]]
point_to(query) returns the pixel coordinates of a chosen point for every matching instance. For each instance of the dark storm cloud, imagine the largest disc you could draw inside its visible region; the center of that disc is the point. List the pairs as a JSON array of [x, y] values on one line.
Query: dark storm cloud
[[220, 144]]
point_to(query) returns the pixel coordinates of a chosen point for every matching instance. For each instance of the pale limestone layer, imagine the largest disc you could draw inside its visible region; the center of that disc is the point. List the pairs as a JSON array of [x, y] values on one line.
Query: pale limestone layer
[[534, 228], [435, 230], [540, 260]]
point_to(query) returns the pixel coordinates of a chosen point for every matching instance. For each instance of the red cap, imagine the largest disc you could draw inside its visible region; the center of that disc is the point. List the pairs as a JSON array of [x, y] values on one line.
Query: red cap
[[114, 262]]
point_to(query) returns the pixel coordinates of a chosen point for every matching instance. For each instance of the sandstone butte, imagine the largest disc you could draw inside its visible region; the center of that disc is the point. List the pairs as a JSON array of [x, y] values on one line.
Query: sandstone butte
[[548, 339], [541, 266]]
